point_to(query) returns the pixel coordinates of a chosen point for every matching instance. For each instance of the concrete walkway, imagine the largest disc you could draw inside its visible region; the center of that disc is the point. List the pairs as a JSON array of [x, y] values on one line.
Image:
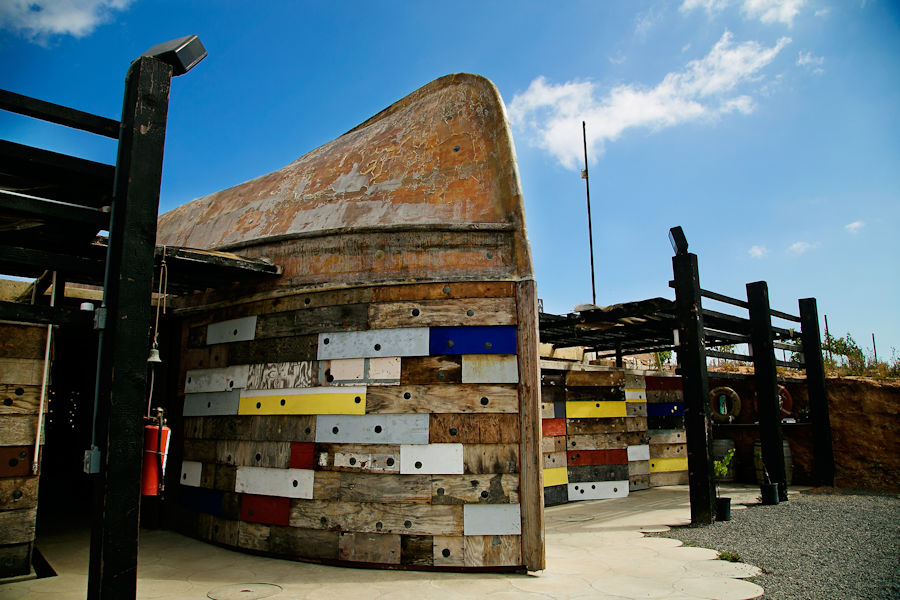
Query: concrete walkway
[[595, 550]]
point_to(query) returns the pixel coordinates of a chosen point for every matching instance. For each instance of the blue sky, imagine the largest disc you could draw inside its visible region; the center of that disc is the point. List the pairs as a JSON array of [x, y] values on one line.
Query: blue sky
[[769, 130]]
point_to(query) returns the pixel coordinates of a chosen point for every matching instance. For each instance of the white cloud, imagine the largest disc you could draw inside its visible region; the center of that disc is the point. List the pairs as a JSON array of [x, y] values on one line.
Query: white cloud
[[801, 247], [550, 114], [618, 59], [806, 59], [855, 226], [766, 11], [823, 11], [38, 19], [758, 251], [645, 21]]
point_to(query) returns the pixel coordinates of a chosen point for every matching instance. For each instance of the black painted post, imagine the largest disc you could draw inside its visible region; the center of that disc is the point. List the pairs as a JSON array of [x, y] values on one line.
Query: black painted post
[[823, 452], [694, 379], [766, 378], [122, 365]]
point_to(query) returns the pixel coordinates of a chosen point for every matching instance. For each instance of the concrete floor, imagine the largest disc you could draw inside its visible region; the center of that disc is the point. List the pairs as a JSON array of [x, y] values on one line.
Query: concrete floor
[[595, 550]]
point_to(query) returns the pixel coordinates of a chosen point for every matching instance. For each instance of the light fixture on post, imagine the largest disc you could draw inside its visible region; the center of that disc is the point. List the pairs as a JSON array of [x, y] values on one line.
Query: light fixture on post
[[678, 241], [183, 54]]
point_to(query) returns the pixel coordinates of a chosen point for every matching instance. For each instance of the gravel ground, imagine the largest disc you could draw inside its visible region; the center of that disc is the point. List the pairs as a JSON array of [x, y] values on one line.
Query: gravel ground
[[822, 544]]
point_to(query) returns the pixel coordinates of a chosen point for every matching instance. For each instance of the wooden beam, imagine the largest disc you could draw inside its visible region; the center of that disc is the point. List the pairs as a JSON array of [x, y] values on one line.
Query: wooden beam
[[122, 365], [61, 115], [823, 452], [766, 378], [692, 358], [39, 313]]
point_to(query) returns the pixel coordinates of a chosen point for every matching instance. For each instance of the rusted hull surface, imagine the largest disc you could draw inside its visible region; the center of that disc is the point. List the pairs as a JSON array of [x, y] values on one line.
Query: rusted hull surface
[[428, 188]]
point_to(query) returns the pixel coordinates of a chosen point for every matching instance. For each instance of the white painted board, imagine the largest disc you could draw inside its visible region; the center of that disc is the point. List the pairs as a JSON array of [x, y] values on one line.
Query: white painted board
[[354, 371], [432, 459], [224, 379], [212, 404], [493, 519], [636, 394], [265, 481], [372, 429], [190, 473], [641, 452], [490, 368], [374, 343], [597, 490], [233, 330]]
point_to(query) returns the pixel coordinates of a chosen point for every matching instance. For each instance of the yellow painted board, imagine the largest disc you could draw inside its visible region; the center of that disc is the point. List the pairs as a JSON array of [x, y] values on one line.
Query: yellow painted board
[[581, 409], [556, 476], [660, 465], [304, 401]]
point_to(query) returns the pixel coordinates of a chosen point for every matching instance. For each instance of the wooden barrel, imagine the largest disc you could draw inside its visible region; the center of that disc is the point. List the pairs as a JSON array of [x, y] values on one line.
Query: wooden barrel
[[758, 463]]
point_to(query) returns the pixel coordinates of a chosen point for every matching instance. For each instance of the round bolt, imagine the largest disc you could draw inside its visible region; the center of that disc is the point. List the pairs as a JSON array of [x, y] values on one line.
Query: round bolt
[[484, 401], [352, 461], [390, 462], [377, 347], [334, 430], [445, 552], [470, 313], [407, 524], [378, 429], [415, 312], [453, 431], [407, 396], [418, 464]]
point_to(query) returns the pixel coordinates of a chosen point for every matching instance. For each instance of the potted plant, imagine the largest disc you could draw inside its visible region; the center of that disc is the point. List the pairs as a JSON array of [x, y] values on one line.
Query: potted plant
[[720, 470], [768, 491]]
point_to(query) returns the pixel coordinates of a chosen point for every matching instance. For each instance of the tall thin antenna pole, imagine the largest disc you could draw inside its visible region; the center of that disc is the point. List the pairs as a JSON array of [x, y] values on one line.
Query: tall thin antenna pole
[[587, 189], [827, 338]]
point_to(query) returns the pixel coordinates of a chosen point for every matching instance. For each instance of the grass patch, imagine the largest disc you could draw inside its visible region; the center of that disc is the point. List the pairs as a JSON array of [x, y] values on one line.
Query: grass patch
[[730, 556]]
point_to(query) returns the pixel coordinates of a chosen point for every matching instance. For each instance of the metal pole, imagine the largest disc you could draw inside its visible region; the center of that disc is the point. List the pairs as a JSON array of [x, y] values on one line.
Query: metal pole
[[874, 349], [827, 338], [587, 189]]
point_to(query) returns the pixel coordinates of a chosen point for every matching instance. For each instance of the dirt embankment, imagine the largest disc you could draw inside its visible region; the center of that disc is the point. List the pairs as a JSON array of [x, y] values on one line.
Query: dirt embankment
[[865, 425]]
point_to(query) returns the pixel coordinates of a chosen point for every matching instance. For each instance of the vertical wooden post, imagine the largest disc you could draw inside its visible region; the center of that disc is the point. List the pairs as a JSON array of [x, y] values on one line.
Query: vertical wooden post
[[531, 476], [766, 378], [122, 364], [695, 381], [823, 453]]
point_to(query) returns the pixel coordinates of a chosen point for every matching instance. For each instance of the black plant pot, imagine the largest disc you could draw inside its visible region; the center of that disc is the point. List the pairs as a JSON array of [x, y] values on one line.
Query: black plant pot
[[723, 509], [769, 493]]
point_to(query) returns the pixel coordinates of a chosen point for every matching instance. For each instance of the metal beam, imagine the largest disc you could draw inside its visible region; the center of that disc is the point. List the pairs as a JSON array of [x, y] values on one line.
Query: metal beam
[[61, 115]]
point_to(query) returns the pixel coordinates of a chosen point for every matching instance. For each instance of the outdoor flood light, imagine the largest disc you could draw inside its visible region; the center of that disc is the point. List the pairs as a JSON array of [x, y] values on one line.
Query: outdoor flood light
[[678, 241], [183, 54]]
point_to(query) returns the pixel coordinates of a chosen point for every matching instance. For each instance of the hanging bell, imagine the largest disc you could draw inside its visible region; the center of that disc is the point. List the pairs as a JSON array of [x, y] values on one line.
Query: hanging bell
[[154, 355]]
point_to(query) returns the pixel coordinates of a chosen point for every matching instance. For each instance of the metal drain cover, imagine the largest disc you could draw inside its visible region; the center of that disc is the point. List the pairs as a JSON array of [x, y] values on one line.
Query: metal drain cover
[[244, 591]]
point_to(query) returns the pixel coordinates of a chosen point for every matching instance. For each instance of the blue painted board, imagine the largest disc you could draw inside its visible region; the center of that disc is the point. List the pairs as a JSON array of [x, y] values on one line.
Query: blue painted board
[[664, 409], [500, 339], [202, 499]]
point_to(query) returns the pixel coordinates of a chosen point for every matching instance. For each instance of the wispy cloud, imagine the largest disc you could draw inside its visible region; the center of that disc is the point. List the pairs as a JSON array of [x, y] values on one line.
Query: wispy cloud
[[766, 11], [645, 21], [806, 59], [801, 247], [549, 115], [855, 226], [618, 59], [37, 20], [758, 251]]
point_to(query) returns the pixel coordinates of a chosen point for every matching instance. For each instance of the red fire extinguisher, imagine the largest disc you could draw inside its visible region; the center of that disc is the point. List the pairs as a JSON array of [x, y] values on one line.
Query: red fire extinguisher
[[156, 448]]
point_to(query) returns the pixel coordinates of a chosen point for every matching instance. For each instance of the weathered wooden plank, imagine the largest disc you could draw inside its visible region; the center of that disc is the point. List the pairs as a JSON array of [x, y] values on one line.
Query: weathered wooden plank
[[667, 436], [493, 550], [547, 411], [431, 458], [21, 371], [314, 544], [665, 465], [17, 493], [15, 461], [254, 453], [550, 427], [605, 441], [596, 393], [212, 404], [636, 424], [374, 343], [636, 409], [272, 350], [15, 560], [306, 321], [283, 375], [595, 410], [602, 425], [431, 313], [439, 291], [253, 536], [500, 339], [430, 370], [371, 548], [491, 458], [556, 494], [20, 399], [304, 401], [492, 519], [224, 477], [442, 399], [597, 490], [224, 379], [17, 526], [22, 341], [638, 482], [370, 517], [232, 330], [668, 478], [417, 550], [638, 467], [293, 428], [614, 456], [554, 459], [448, 551], [372, 429], [359, 371], [199, 450], [480, 489], [552, 444], [667, 450], [633, 381], [665, 422], [373, 487], [556, 476], [271, 510], [190, 473], [473, 429], [490, 368], [19, 430], [593, 473], [376, 458], [594, 378], [265, 481], [664, 396], [639, 452]]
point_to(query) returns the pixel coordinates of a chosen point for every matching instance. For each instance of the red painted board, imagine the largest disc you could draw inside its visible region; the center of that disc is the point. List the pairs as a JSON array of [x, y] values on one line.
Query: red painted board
[[15, 461], [616, 456], [662, 383], [272, 510], [553, 427], [302, 455]]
